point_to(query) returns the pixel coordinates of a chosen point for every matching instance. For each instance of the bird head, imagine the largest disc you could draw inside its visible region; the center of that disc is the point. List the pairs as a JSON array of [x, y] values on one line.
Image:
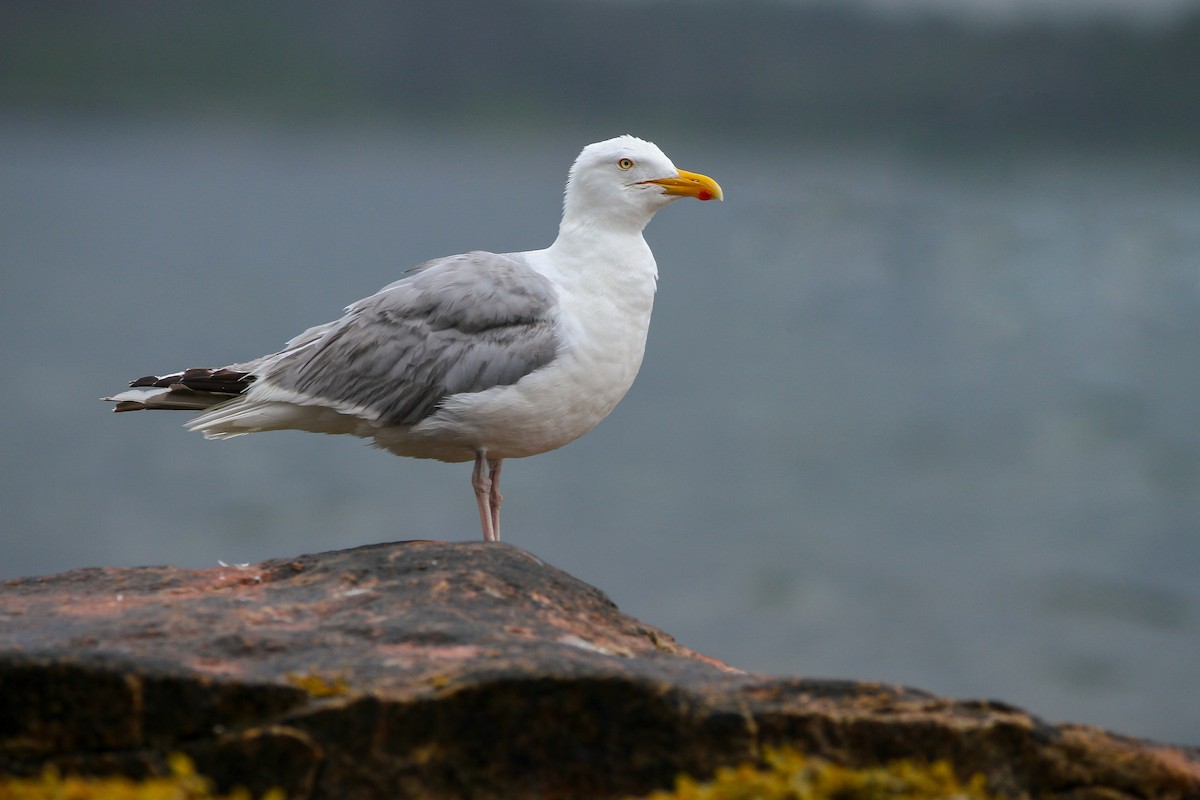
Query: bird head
[[626, 180]]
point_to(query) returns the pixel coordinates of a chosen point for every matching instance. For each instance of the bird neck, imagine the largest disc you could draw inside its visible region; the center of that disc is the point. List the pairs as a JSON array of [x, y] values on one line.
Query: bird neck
[[592, 232], [620, 261], [588, 244]]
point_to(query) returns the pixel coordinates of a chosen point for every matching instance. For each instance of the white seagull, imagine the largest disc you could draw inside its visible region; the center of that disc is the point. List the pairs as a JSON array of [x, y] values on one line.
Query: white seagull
[[481, 356]]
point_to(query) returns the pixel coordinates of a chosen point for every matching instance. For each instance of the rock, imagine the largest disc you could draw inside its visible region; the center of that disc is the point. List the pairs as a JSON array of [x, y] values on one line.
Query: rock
[[431, 670]]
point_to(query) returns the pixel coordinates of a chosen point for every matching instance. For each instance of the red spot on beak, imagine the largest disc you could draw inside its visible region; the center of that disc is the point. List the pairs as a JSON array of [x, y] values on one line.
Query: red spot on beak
[[704, 194]]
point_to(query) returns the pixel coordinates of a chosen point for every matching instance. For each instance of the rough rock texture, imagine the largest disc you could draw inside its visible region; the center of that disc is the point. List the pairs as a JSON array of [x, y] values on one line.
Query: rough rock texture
[[430, 670]]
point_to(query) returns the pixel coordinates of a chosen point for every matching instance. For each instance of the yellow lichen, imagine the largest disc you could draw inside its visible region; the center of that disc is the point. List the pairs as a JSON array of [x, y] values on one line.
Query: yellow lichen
[[791, 775], [440, 681], [320, 685], [184, 783]]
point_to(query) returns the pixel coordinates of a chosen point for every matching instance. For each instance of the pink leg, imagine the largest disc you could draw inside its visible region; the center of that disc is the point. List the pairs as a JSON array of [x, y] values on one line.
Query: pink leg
[[482, 484], [496, 498]]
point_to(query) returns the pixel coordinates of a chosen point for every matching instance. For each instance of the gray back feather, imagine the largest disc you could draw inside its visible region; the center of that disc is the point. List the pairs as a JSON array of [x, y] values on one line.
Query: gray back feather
[[460, 324]]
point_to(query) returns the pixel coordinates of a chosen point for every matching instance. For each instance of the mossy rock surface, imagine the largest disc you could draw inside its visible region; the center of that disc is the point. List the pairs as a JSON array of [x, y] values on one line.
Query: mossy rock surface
[[434, 670]]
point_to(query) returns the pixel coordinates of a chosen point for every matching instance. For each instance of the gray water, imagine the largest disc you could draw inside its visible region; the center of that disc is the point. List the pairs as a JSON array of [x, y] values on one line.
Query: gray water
[[920, 419]]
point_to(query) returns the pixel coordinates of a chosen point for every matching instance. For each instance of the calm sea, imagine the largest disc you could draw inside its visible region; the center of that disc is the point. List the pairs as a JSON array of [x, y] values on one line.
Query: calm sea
[[921, 419]]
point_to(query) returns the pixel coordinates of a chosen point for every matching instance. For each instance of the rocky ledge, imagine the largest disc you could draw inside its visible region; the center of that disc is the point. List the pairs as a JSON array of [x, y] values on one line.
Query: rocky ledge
[[425, 669]]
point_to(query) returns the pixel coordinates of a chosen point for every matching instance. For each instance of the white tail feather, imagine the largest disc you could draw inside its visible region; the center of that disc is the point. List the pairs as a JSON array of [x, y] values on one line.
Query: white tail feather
[[241, 416]]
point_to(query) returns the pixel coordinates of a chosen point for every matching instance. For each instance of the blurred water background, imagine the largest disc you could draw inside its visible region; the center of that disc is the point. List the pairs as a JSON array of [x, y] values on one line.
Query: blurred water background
[[920, 399]]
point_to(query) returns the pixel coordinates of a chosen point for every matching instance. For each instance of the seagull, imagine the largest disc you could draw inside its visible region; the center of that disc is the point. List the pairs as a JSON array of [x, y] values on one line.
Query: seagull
[[474, 357]]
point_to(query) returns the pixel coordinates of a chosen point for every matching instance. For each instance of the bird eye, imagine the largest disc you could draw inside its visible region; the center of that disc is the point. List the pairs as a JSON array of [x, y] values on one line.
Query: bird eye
[[625, 163]]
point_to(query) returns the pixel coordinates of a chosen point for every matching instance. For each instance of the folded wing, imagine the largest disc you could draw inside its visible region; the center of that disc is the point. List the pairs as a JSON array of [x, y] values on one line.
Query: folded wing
[[460, 324]]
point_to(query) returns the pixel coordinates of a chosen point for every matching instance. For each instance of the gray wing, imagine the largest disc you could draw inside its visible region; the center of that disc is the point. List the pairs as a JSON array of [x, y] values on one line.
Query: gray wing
[[460, 324]]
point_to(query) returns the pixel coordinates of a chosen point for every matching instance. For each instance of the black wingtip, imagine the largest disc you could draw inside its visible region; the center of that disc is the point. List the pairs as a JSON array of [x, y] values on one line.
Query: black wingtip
[[199, 379]]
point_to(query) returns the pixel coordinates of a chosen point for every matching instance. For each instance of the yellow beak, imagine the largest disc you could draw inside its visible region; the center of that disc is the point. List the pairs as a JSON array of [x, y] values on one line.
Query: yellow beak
[[691, 184]]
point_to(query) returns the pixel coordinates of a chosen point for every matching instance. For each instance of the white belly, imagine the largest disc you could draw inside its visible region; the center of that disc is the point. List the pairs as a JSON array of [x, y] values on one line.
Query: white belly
[[543, 411]]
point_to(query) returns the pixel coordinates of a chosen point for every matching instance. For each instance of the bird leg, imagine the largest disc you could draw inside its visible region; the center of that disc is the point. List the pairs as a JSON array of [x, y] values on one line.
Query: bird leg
[[487, 494], [495, 498], [482, 484]]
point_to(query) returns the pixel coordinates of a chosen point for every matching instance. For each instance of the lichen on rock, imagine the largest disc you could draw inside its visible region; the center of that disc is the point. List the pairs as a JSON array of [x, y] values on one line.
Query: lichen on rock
[[183, 783], [789, 774]]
